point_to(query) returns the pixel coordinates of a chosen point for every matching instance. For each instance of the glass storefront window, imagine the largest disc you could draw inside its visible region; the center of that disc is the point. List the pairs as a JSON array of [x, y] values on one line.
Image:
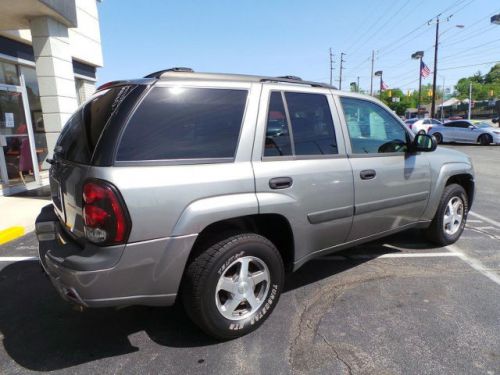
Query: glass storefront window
[[35, 107], [8, 74], [14, 130]]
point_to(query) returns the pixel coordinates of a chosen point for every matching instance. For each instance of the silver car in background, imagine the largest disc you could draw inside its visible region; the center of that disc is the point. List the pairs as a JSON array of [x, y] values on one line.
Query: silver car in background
[[467, 132]]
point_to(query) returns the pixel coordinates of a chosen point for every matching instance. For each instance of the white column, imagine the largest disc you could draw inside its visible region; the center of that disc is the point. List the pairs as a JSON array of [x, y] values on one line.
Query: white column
[[54, 70]]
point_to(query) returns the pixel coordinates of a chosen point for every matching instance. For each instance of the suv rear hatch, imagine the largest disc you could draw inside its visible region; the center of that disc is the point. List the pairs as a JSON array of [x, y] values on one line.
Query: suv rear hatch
[[74, 153]]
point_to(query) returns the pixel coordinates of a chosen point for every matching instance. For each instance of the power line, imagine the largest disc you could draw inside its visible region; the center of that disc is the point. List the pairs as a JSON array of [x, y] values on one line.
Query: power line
[[466, 66], [362, 35], [391, 18], [470, 49]]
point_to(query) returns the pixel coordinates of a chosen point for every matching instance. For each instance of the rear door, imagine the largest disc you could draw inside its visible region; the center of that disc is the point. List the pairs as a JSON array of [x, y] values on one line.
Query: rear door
[[74, 151], [301, 168], [391, 186]]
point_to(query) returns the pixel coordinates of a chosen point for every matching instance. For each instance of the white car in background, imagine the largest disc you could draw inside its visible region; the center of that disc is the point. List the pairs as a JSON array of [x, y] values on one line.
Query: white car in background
[[467, 132], [422, 125]]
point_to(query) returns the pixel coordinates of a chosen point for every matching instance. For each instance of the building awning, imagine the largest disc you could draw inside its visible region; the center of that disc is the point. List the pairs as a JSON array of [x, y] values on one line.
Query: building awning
[[15, 15], [450, 102]]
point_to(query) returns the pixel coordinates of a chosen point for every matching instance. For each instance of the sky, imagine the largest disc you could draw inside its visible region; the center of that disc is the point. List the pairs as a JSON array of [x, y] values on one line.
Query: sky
[[291, 37]]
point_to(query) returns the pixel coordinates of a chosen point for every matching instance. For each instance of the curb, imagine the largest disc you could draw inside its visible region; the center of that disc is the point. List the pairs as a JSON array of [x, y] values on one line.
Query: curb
[[11, 234]]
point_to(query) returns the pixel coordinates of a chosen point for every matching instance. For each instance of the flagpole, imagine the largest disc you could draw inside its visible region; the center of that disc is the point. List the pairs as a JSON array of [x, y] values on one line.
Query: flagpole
[[419, 84]]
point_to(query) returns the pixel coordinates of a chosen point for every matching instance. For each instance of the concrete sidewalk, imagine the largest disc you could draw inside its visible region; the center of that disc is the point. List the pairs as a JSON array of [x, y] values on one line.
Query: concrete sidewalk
[[18, 212]]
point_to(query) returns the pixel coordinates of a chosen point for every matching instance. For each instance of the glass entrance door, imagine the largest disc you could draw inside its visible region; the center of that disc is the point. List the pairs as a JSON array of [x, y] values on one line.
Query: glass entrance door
[[16, 158]]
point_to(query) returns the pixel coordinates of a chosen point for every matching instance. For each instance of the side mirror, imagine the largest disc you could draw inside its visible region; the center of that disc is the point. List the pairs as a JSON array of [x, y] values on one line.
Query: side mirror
[[424, 143], [472, 127]]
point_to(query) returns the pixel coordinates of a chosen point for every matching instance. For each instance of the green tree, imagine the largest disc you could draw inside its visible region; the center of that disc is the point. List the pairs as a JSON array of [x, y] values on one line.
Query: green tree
[[483, 86]]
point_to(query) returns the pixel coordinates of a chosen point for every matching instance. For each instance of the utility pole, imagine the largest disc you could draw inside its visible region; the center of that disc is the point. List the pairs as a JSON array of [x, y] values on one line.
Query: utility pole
[[342, 61], [357, 85], [442, 104], [331, 67], [433, 106], [371, 75]]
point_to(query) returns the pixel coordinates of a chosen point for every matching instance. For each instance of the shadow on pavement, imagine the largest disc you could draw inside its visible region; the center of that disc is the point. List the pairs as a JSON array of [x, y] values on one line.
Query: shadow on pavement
[[41, 332], [42, 192]]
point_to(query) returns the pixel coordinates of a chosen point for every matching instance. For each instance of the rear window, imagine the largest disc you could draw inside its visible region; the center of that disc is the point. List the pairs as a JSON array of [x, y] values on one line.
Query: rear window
[[81, 133], [184, 123]]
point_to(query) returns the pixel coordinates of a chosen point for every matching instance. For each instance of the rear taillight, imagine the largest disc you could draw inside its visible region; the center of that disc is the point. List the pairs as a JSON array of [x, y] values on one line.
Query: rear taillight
[[411, 126], [104, 213]]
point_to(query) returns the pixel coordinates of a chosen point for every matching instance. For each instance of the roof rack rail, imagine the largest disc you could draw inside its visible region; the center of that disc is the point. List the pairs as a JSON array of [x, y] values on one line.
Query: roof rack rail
[[176, 69], [297, 80]]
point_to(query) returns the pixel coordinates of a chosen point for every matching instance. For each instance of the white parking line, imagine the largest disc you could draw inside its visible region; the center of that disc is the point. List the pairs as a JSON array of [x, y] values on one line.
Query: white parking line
[[474, 263], [484, 218], [16, 259], [474, 221]]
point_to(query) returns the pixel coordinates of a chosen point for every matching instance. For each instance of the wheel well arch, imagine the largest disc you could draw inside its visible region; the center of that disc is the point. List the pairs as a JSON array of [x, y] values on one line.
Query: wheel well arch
[[467, 182], [275, 227], [482, 135]]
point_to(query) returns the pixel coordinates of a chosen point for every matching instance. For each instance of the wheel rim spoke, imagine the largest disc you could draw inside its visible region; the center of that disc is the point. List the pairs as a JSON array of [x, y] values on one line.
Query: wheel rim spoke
[[447, 220], [244, 269], [252, 300], [450, 207], [227, 284], [258, 277], [231, 305]]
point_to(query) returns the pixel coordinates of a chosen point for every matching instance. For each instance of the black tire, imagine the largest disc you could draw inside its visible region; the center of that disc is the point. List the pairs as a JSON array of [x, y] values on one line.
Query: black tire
[[485, 139], [436, 232], [439, 138], [199, 293]]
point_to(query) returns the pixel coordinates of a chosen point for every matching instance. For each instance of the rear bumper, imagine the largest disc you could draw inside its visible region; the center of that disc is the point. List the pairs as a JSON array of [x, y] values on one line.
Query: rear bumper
[[141, 273]]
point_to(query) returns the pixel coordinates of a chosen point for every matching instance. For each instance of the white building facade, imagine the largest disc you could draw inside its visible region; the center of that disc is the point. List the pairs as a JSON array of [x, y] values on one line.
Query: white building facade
[[49, 52]]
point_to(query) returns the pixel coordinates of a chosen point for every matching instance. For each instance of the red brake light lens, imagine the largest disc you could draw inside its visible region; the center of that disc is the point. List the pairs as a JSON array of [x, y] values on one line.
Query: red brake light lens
[[104, 213]]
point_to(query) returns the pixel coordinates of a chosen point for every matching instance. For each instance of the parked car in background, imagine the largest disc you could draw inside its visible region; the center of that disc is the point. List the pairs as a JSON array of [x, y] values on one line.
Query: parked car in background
[[466, 131], [422, 125]]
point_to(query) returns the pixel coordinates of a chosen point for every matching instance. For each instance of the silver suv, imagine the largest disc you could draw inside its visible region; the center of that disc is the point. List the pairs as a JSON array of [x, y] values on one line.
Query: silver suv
[[209, 187]]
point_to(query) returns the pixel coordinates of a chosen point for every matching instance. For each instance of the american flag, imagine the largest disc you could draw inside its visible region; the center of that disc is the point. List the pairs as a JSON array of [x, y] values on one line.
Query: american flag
[[424, 69], [383, 86]]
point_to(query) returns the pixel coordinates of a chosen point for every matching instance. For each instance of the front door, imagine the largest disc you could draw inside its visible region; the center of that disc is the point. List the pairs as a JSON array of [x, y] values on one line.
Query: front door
[[391, 186], [301, 168], [16, 158]]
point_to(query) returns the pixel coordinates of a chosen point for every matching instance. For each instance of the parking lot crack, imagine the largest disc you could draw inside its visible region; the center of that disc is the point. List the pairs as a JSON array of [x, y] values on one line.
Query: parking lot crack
[[344, 362]]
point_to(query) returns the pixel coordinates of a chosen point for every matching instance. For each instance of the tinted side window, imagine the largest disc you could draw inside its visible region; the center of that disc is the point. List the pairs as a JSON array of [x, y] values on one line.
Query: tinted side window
[[312, 124], [277, 135], [79, 136], [184, 123], [372, 129], [456, 124]]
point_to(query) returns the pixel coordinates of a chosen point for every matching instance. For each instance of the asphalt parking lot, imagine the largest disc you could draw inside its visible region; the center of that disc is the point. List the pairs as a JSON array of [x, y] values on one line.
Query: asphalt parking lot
[[395, 306]]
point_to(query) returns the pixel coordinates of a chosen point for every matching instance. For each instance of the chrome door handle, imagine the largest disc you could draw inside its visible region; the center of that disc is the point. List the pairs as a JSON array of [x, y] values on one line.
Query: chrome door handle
[[280, 182], [367, 174]]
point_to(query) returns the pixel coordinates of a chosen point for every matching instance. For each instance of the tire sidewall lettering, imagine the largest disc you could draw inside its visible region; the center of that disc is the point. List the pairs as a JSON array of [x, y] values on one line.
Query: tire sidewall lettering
[[229, 261]]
